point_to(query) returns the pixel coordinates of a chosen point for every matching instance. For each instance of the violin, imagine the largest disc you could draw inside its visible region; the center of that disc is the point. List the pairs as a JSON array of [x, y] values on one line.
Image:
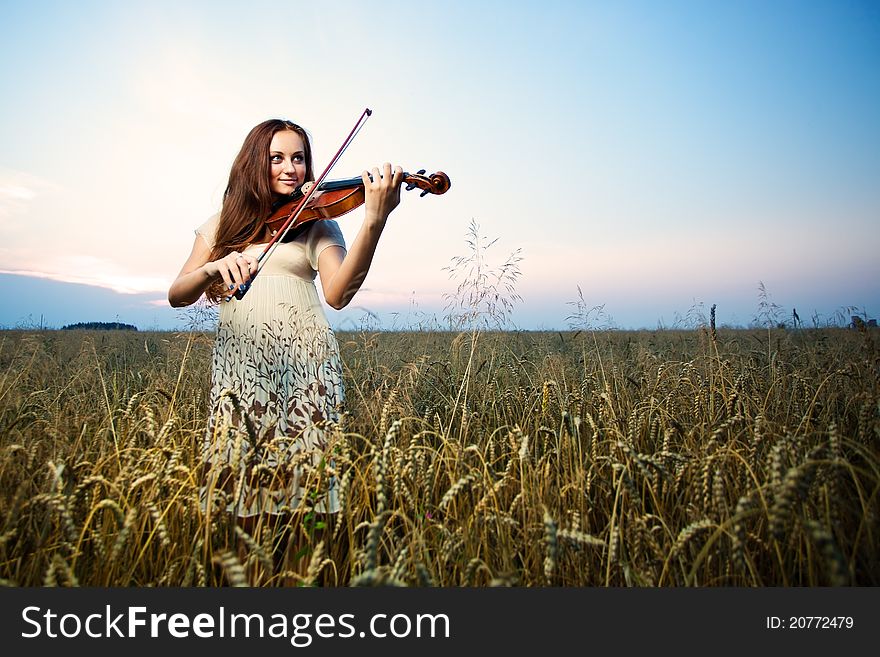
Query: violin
[[334, 198]]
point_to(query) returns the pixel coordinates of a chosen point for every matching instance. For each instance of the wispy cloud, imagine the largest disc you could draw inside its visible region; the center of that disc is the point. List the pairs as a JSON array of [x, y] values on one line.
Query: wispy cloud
[[97, 273], [18, 190]]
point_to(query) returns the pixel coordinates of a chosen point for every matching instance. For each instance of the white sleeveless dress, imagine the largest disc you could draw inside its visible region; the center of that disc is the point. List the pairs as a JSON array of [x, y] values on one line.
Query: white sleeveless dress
[[276, 387]]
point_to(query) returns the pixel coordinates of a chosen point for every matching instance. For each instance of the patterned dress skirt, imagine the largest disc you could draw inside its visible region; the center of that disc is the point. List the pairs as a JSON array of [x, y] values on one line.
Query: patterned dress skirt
[[276, 394]]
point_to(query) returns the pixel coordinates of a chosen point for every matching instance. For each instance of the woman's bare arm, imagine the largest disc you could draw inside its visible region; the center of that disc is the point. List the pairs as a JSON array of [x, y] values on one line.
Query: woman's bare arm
[[198, 273], [342, 274]]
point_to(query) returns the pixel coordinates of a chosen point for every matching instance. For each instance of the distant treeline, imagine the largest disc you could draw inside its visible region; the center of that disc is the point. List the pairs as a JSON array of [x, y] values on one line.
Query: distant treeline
[[100, 326]]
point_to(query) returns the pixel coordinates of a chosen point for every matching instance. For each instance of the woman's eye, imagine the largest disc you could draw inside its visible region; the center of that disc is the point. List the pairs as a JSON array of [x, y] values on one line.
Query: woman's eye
[[298, 158], [275, 159]]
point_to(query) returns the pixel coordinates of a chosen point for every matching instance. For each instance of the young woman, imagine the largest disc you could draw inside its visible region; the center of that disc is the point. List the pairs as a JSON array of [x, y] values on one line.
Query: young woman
[[276, 372]]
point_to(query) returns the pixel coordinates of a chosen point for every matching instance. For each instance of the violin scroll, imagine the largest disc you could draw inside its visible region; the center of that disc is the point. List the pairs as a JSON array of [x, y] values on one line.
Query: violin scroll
[[436, 183]]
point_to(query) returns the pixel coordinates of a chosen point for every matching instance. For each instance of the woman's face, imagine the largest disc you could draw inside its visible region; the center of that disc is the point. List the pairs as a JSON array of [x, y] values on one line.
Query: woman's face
[[287, 156]]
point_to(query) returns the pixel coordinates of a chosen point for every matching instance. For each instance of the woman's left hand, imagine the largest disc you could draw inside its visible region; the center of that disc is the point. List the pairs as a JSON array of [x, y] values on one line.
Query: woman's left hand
[[382, 193]]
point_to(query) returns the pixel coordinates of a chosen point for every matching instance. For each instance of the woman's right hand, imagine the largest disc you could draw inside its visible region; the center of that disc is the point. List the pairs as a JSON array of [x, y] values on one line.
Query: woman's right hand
[[236, 269]]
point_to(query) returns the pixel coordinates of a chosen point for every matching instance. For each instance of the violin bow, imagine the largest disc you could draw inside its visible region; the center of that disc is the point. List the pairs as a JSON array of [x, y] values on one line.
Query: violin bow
[[292, 217]]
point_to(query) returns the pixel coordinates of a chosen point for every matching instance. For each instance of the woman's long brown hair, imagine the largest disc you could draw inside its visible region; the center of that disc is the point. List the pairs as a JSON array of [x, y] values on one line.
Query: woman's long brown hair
[[247, 202]]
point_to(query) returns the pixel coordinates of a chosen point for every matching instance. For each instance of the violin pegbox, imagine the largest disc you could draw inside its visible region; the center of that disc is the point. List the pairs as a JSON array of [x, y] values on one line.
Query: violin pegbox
[[436, 183]]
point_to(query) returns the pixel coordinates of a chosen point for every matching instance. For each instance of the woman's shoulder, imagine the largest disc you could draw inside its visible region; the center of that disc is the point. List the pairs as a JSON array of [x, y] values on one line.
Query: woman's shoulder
[[323, 229], [322, 234], [208, 229]]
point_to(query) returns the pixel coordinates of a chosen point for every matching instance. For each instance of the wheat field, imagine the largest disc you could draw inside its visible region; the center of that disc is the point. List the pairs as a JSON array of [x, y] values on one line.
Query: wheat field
[[593, 458]]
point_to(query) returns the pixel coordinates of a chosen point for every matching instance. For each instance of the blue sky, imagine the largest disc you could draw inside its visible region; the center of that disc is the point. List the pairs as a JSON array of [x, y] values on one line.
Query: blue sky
[[656, 155]]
